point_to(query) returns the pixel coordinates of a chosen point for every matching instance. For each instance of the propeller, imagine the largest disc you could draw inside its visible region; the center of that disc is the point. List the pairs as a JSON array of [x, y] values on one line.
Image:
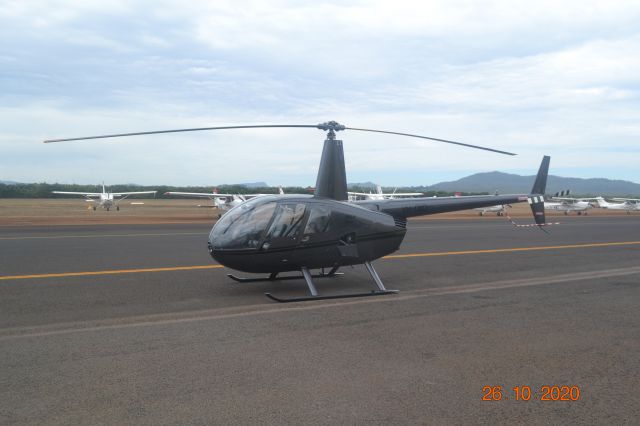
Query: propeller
[[330, 126]]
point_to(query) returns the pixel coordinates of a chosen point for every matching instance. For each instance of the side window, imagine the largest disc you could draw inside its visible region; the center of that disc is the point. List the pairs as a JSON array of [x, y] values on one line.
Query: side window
[[286, 221], [247, 230], [318, 220]]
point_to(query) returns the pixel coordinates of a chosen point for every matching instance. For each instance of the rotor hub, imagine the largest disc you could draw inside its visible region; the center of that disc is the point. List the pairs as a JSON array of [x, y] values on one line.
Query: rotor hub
[[332, 127]]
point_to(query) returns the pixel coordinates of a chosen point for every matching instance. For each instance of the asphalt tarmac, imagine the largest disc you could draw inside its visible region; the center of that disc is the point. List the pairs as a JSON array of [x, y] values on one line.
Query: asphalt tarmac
[[123, 324]]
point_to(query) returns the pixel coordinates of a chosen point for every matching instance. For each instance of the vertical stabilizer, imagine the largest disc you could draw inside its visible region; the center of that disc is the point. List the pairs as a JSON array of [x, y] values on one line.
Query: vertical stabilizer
[[332, 178], [536, 198], [540, 185]]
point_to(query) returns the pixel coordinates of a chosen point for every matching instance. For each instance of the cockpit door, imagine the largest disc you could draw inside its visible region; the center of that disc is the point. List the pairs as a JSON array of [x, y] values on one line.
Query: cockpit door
[[286, 228]]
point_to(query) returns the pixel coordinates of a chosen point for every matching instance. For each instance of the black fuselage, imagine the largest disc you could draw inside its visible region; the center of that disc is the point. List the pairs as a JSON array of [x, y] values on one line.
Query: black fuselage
[[285, 233]]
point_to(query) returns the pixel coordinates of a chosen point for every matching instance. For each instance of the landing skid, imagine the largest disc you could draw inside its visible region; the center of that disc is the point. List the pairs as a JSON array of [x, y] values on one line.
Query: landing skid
[[335, 296], [381, 291], [274, 277]]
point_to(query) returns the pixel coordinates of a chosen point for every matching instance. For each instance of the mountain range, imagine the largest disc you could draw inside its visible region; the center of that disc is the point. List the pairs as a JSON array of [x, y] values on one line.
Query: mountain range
[[506, 183]]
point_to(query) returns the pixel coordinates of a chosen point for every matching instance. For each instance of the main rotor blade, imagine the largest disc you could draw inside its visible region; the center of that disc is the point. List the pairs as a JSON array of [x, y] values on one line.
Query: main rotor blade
[[328, 126], [432, 139], [196, 129]]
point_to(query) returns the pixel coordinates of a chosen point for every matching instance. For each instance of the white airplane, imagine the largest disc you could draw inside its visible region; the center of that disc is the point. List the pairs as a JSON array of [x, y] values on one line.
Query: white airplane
[[379, 195], [567, 205], [628, 204], [499, 209], [104, 199], [222, 202]]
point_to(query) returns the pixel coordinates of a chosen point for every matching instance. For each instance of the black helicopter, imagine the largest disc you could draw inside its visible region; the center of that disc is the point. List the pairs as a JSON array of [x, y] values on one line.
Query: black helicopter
[[283, 233]]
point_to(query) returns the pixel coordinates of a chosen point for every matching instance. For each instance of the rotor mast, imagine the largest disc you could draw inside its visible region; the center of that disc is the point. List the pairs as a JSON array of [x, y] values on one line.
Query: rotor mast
[[332, 177]]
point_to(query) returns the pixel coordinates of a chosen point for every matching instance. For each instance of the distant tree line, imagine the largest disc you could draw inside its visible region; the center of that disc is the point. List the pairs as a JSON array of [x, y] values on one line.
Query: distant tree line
[[44, 190]]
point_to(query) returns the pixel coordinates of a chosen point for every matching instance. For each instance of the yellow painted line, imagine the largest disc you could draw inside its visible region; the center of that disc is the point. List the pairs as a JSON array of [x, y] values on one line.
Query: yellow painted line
[[456, 217], [49, 237], [516, 249], [112, 272], [397, 256]]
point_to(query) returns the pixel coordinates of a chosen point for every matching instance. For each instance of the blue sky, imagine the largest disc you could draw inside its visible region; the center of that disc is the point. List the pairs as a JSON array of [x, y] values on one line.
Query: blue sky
[[535, 78]]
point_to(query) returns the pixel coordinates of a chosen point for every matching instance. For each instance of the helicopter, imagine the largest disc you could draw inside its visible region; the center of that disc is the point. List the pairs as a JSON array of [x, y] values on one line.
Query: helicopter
[[274, 234]]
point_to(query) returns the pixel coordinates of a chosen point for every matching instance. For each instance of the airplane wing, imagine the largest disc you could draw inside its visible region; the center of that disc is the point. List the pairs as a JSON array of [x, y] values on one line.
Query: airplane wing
[[120, 194], [571, 199], [209, 195], [575, 199], [403, 194], [124, 195], [247, 196], [627, 199], [395, 194], [84, 194]]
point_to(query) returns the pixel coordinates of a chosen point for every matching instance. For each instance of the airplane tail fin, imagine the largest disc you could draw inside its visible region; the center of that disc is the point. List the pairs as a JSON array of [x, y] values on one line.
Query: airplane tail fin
[[536, 198], [563, 193]]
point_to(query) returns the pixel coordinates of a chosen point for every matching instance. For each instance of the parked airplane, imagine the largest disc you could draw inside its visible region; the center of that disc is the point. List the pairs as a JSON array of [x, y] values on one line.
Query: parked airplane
[[222, 202], [105, 199], [499, 209], [604, 204], [379, 195], [628, 204], [567, 205]]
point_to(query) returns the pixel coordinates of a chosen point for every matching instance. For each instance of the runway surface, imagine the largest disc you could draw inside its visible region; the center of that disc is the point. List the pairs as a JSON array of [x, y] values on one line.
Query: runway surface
[[136, 324]]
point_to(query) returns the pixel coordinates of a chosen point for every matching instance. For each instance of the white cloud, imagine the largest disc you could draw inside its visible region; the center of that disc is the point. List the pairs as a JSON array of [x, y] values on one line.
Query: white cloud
[[532, 77]]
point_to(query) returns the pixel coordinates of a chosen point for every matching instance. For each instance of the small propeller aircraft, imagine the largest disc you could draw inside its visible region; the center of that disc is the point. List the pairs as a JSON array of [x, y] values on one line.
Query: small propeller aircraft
[[379, 195], [633, 204], [104, 199], [499, 210], [284, 233], [628, 204], [568, 204], [222, 202]]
